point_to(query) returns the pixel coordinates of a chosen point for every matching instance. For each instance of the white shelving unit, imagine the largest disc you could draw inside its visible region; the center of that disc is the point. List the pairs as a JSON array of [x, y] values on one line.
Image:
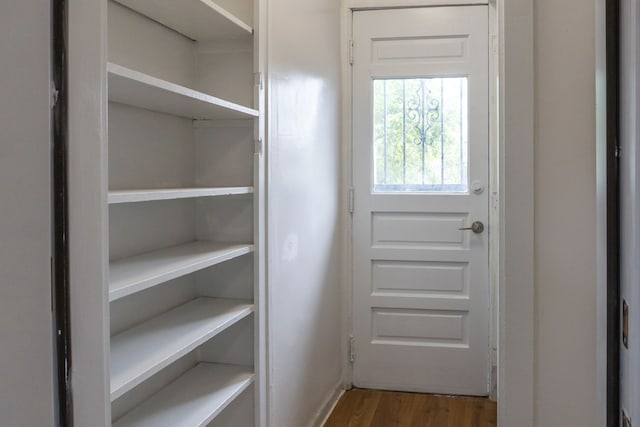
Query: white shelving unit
[[194, 399], [185, 212]]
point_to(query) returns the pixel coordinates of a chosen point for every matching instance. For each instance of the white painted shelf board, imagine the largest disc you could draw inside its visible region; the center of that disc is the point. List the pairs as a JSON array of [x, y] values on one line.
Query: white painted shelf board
[[197, 19], [131, 275], [193, 400], [142, 351], [141, 90], [147, 195], [135, 274]]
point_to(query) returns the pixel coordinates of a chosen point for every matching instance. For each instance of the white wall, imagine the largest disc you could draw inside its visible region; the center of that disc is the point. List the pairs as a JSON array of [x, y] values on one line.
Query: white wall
[[303, 208], [565, 238], [26, 355]]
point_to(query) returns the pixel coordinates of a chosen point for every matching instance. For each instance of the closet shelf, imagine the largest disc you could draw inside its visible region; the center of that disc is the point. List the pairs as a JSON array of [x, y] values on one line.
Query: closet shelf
[[141, 90], [197, 19], [131, 275], [194, 399], [147, 195], [142, 351]]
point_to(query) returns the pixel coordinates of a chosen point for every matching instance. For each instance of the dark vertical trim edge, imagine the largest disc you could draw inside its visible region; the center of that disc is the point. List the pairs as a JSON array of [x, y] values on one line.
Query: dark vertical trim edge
[[60, 283], [613, 213]]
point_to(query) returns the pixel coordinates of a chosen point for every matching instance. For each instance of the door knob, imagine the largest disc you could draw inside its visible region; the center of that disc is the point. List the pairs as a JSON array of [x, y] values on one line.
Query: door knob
[[477, 227]]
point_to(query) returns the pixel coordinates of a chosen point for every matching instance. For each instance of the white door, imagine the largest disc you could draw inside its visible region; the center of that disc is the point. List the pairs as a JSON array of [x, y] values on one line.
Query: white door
[[420, 173]]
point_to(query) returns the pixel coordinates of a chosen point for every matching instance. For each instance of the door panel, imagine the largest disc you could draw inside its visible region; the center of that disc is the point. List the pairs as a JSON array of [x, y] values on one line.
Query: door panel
[[419, 278], [420, 109]]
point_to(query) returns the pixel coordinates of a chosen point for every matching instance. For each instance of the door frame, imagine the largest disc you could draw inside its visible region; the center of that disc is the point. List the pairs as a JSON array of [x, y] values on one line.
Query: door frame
[[477, 358], [87, 178], [608, 212], [511, 202]]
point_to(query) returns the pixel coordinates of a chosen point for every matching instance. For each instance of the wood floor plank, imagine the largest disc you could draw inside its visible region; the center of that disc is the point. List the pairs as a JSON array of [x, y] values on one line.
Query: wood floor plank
[[475, 413], [458, 412], [372, 408], [482, 413], [363, 415], [491, 411], [394, 410], [431, 411], [356, 408], [345, 407]]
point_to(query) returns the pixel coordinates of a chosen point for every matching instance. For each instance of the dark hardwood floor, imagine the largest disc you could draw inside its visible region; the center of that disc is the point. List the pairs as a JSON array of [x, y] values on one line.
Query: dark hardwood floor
[[373, 408]]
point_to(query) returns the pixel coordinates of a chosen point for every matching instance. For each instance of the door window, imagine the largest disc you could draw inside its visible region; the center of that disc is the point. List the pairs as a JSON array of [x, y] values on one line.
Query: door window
[[420, 135]]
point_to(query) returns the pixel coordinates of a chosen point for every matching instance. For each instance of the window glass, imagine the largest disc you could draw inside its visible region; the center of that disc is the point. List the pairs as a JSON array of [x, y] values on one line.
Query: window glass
[[420, 135]]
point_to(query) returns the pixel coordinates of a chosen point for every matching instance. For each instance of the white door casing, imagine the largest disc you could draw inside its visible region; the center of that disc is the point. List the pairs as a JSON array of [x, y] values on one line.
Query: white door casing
[[421, 294], [629, 210]]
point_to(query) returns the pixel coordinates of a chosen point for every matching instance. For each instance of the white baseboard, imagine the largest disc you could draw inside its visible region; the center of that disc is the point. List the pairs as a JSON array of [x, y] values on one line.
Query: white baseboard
[[323, 414]]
